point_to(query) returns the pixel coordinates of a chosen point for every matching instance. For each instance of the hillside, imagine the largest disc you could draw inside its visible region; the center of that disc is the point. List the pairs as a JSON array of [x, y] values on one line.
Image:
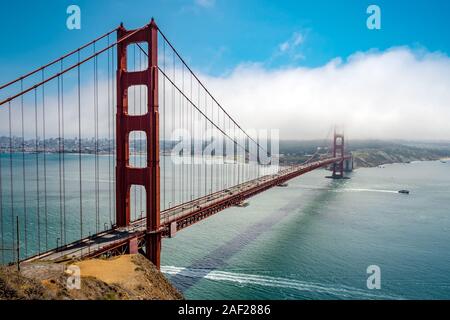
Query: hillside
[[375, 153], [374, 157], [128, 277], [369, 153]]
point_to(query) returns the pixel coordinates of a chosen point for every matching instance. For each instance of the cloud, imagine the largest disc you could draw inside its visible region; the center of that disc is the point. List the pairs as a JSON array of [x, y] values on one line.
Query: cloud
[[69, 107], [298, 39], [291, 47], [399, 93], [284, 46], [205, 3]]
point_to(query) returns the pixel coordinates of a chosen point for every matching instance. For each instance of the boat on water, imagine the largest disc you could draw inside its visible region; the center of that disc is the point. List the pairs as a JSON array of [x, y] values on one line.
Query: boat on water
[[242, 204], [404, 191]]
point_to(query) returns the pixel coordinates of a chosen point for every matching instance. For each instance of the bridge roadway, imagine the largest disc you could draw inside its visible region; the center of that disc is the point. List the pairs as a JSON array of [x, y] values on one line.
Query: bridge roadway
[[178, 217]]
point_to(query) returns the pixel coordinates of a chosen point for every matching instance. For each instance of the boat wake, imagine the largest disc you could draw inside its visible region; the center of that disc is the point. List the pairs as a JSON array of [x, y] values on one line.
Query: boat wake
[[367, 190], [277, 282], [349, 189]]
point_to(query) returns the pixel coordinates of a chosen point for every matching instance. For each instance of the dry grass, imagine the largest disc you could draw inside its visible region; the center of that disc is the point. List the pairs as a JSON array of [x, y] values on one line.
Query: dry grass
[[119, 270], [120, 278]]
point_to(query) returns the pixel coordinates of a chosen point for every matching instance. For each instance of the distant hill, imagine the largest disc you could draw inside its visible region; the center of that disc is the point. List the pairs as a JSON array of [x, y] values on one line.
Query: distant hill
[[369, 153]]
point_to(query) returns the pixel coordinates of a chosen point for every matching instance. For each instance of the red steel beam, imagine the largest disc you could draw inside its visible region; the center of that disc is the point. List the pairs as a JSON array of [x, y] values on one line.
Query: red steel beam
[[153, 241], [204, 212], [149, 123]]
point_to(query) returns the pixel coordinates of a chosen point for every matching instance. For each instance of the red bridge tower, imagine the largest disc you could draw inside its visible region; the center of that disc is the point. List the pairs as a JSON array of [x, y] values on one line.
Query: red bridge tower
[[338, 151], [149, 123]]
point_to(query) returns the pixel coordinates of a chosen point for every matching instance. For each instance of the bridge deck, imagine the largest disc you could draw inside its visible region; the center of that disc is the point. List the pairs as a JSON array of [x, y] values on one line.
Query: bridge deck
[[183, 215]]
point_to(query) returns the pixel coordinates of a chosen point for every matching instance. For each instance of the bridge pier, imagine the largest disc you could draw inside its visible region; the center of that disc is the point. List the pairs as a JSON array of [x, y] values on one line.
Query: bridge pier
[[126, 176], [133, 247], [348, 164]]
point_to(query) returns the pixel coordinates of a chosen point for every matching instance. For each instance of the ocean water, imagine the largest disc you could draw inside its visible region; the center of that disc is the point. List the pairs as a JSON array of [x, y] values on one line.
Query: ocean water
[[311, 240], [316, 238], [54, 208]]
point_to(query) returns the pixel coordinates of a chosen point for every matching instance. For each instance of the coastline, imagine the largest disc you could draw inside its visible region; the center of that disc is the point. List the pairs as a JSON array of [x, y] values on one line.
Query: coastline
[[393, 163], [399, 162], [378, 157]]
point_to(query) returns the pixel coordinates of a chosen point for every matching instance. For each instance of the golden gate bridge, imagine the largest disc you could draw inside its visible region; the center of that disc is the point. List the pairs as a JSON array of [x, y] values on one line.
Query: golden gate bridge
[[82, 171]]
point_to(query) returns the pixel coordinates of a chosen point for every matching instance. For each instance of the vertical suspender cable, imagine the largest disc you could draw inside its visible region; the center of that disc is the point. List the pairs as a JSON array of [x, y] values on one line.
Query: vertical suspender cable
[[212, 142], [237, 161], [114, 101], [109, 136], [191, 130], [11, 185], [204, 141], [182, 100], [64, 239], [79, 146], [96, 165], [197, 138], [173, 130], [223, 156], [218, 145], [23, 173], [164, 129], [45, 164], [180, 180], [38, 214], [61, 237]]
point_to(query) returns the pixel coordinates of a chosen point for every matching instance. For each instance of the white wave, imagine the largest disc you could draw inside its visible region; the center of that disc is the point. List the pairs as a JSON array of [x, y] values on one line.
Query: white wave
[[366, 190], [349, 189], [241, 278]]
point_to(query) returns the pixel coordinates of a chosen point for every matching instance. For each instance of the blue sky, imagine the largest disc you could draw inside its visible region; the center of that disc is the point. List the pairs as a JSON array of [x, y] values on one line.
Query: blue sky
[[217, 35], [314, 62]]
